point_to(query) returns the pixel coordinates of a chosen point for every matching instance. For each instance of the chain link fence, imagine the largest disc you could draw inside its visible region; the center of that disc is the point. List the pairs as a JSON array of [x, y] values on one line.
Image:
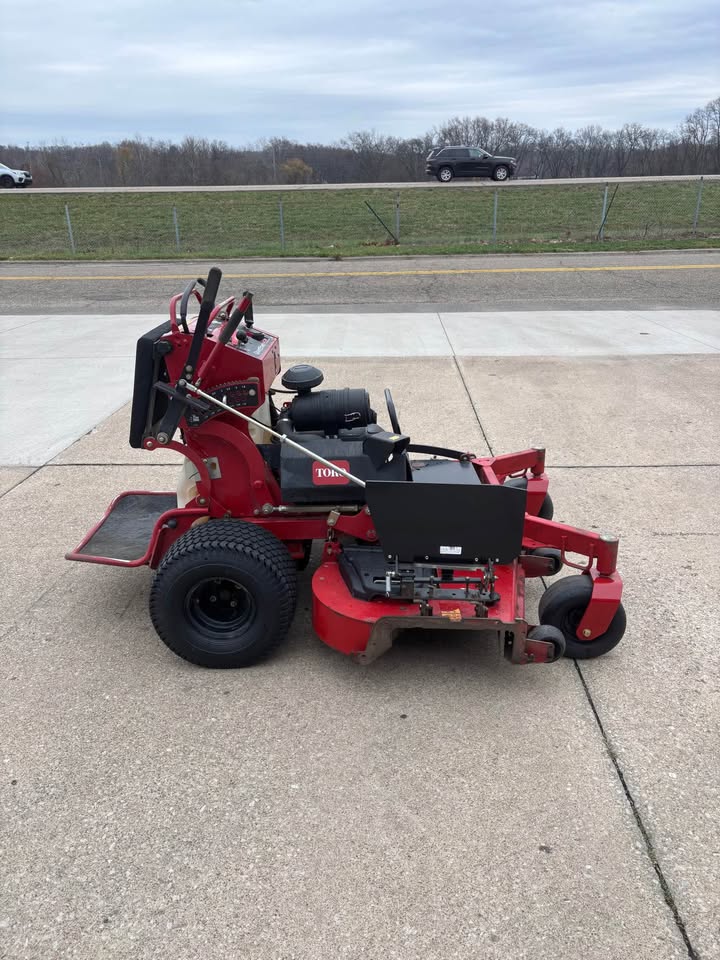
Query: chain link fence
[[459, 218]]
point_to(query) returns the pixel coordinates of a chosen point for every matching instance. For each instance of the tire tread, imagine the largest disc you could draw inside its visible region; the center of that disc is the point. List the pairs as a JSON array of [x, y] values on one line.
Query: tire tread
[[245, 539]]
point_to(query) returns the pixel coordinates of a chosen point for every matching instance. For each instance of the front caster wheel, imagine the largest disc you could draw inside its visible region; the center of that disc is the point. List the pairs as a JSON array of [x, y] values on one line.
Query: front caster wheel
[[224, 594], [551, 635], [551, 554], [563, 605]]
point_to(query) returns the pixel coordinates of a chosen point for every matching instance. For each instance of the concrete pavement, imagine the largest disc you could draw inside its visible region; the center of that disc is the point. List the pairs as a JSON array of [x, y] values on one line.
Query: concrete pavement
[[442, 804], [439, 804], [84, 370]]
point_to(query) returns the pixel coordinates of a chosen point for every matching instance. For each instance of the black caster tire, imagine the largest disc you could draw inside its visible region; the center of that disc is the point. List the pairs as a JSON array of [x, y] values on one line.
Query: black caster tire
[[563, 605], [551, 635], [224, 595], [552, 554]]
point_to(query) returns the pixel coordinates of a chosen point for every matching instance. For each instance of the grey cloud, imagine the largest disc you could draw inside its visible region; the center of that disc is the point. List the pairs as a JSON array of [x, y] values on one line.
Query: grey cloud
[[245, 70]]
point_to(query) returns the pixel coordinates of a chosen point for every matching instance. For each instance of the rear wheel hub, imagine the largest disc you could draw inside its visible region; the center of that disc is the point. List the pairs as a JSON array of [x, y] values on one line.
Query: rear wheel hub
[[219, 605]]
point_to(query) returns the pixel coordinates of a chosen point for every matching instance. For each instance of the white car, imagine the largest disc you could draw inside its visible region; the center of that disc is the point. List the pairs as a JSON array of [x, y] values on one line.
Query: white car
[[14, 178]]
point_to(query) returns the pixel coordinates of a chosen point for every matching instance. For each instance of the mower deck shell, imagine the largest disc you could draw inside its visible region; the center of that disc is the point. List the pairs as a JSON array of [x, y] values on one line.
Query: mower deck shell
[[366, 629]]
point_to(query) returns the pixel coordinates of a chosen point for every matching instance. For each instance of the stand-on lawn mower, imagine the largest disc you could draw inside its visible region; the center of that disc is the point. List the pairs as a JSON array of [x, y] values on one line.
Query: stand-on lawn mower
[[444, 540]]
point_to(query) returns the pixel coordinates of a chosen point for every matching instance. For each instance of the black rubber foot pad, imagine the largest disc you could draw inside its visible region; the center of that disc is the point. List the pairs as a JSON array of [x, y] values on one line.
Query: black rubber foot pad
[[126, 531]]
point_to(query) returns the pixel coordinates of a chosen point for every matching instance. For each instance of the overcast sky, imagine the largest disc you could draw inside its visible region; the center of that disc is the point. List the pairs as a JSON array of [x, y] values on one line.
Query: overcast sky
[[241, 70]]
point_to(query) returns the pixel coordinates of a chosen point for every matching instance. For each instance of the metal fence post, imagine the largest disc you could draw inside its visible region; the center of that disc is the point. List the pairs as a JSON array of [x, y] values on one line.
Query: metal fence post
[[70, 229], [177, 228], [397, 217], [282, 226], [495, 208], [697, 206], [601, 231]]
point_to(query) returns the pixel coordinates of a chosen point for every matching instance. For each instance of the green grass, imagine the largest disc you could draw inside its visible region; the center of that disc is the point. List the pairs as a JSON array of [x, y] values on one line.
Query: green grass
[[338, 223]]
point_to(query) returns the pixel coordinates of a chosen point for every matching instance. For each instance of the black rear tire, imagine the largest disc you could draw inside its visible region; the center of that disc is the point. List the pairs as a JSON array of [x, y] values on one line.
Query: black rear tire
[[563, 605], [547, 508], [224, 595]]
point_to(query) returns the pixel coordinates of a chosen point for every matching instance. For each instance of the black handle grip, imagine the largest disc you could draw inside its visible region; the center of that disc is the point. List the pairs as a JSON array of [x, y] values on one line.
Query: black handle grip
[[187, 293], [208, 302], [212, 285], [241, 311], [231, 326], [249, 318]]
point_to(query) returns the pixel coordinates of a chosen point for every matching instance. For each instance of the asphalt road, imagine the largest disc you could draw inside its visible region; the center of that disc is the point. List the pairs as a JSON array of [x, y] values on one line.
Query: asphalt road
[[658, 280], [412, 184]]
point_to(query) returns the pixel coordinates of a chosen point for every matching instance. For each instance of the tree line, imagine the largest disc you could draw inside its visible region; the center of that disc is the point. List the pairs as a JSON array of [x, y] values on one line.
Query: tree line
[[691, 149]]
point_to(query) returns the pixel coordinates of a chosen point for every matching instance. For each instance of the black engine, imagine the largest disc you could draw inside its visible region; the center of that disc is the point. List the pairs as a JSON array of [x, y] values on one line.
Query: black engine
[[341, 426], [332, 410]]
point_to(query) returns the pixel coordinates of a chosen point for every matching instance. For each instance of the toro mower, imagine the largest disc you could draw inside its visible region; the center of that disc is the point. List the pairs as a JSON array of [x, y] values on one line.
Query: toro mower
[[412, 535]]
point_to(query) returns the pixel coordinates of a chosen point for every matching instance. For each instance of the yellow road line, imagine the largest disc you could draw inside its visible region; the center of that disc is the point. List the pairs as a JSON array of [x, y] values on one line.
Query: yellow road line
[[376, 273]]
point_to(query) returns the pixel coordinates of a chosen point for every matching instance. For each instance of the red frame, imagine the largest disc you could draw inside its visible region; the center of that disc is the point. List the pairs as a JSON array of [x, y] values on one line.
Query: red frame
[[247, 489]]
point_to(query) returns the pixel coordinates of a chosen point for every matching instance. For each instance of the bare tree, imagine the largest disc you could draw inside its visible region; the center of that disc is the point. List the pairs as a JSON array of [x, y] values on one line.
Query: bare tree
[[692, 148], [713, 111], [371, 151]]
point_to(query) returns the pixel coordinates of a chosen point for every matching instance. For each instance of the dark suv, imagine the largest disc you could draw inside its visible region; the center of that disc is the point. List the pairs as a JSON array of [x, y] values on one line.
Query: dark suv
[[448, 162]]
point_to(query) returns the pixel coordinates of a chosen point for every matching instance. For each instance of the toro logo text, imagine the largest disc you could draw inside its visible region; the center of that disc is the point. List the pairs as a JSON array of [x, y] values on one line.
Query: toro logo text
[[323, 476]]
